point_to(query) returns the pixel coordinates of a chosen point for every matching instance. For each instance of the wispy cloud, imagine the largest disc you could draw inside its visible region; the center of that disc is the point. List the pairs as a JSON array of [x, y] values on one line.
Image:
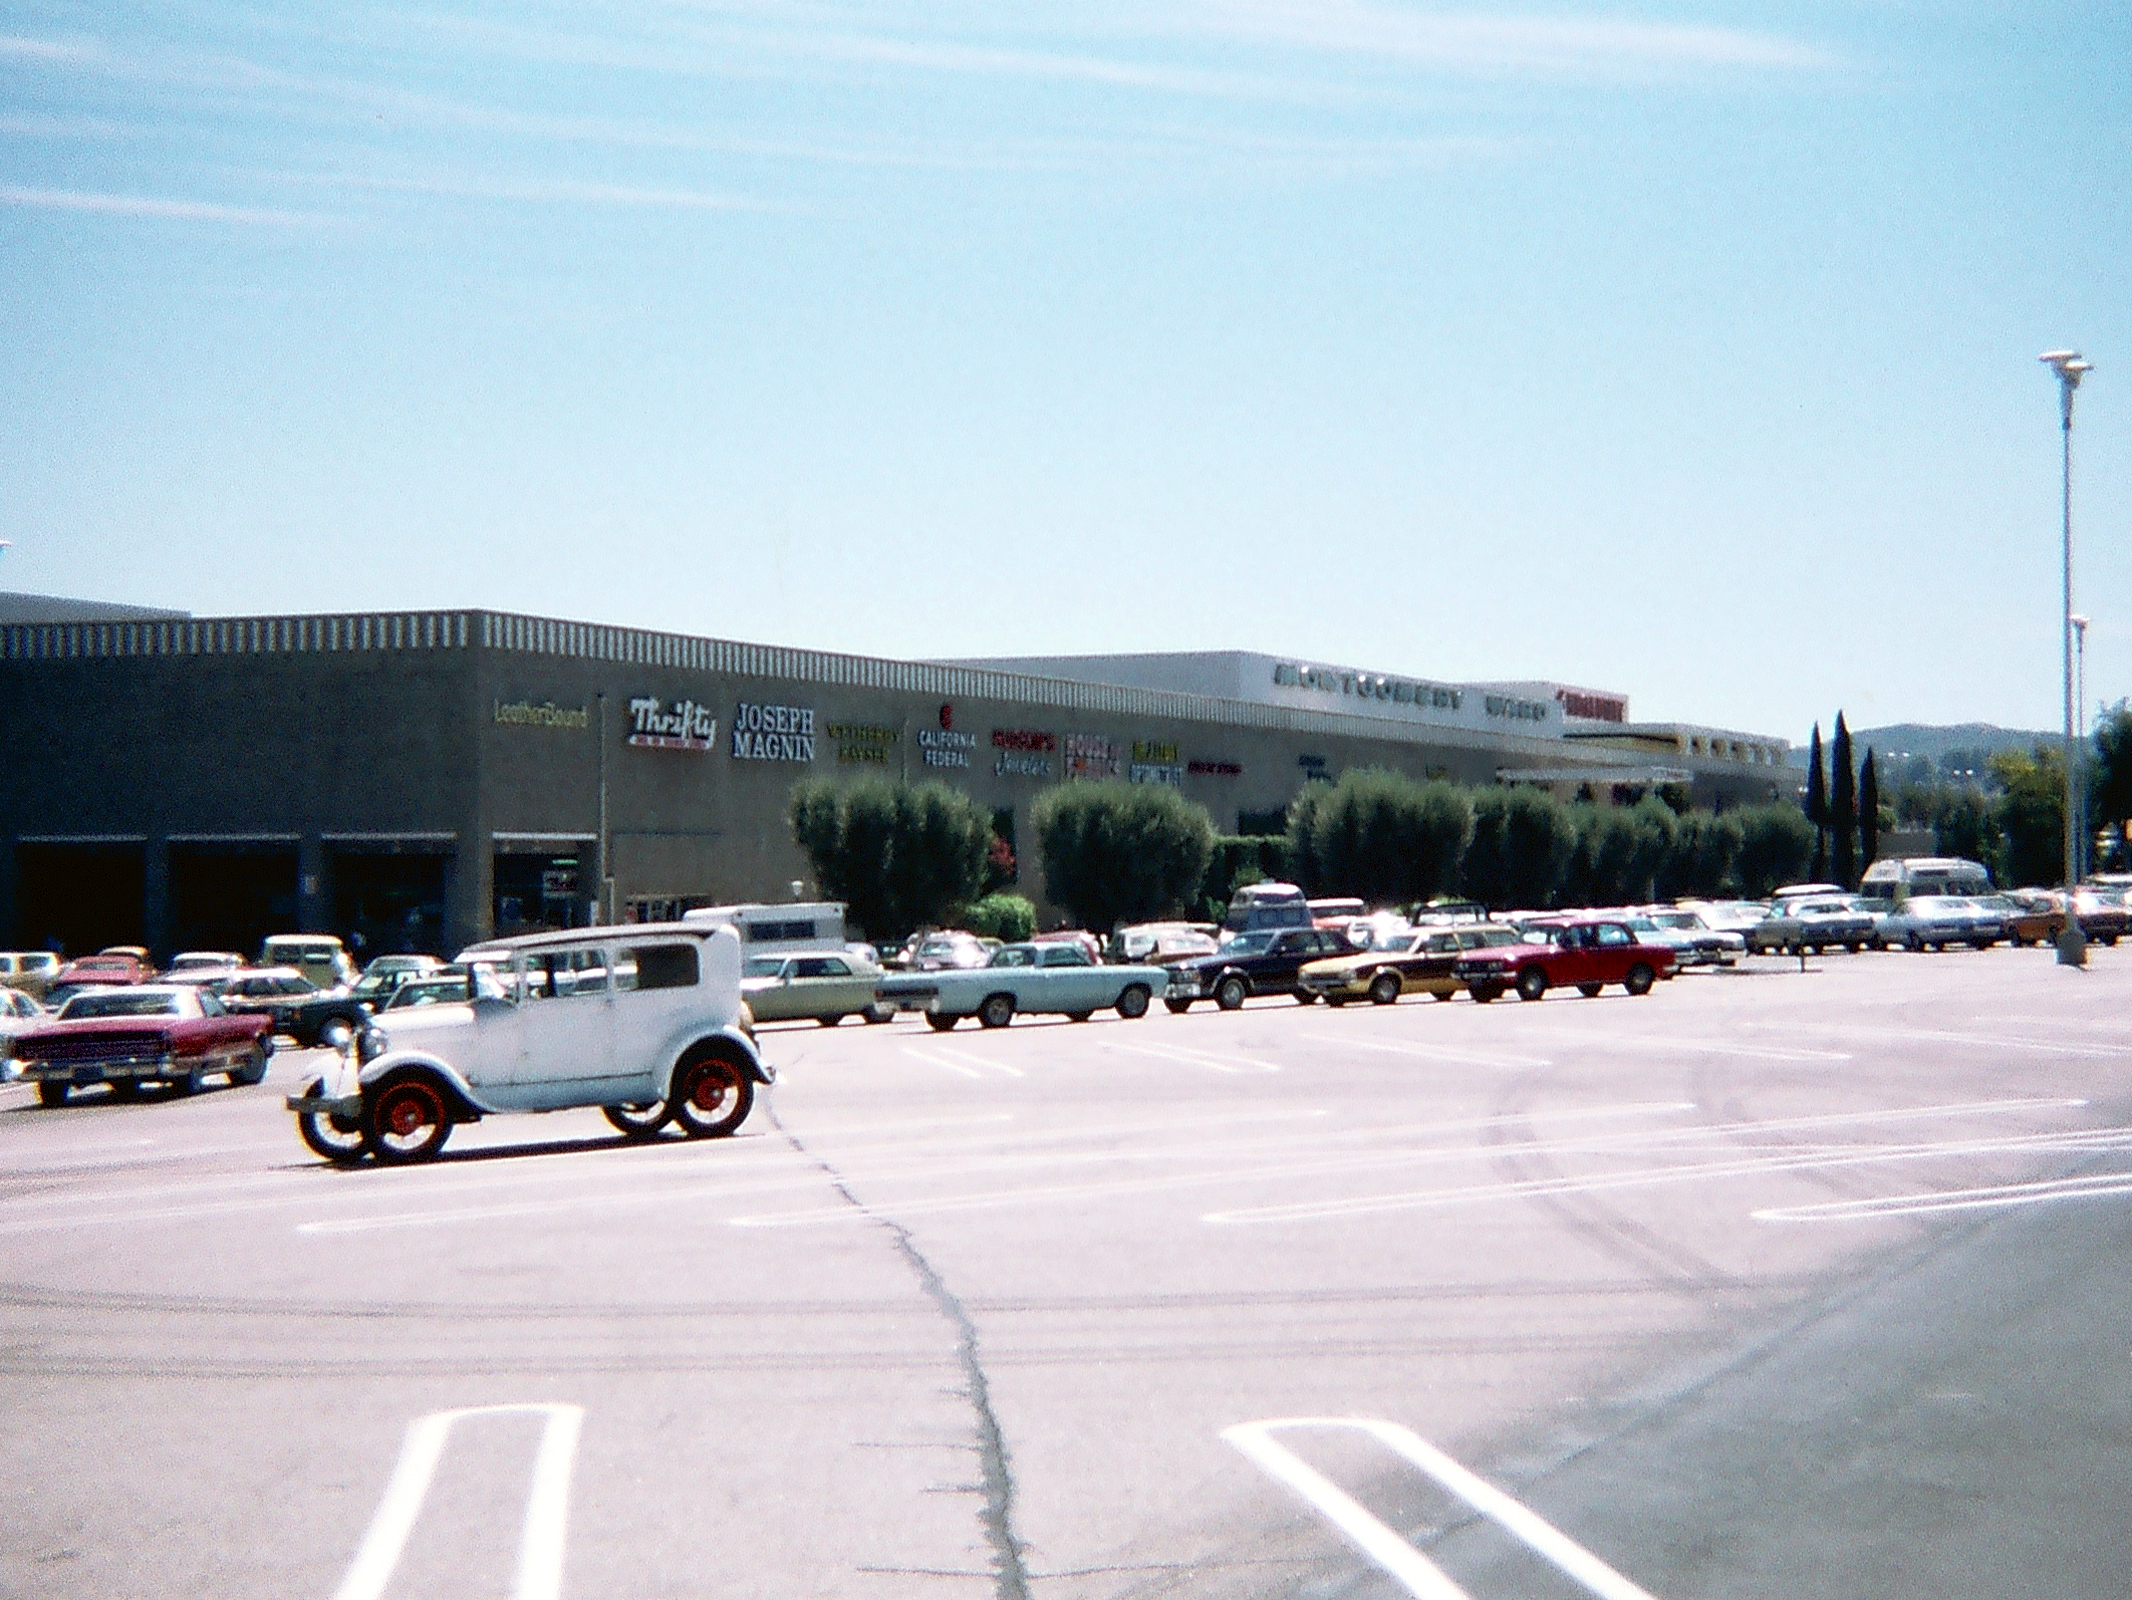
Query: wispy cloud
[[1496, 44], [128, 205], [545, 191]]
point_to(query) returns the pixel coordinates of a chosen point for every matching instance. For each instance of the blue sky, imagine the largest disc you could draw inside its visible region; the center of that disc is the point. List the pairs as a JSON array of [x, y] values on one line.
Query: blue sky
[[1687, 350]]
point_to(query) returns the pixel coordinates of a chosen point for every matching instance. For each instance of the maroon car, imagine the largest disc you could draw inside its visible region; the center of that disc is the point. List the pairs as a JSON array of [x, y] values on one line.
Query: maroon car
[[1587, 954], [150, 1033]]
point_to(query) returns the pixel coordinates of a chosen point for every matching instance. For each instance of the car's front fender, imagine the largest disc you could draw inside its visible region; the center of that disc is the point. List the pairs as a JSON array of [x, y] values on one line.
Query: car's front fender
[[392, 1061]]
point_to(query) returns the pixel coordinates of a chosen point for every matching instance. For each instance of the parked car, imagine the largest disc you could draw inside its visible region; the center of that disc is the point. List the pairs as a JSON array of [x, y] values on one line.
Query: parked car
[[31, 971], [1162, 943], [202, 966], [1935, 921], [644, 1021], [19, 1013], [1079, 936], [292, 1004], [1586, 954], [445, 987], [945, 951], [2027, 918], [379, 966], [318, 956], [95, 972], [151, 1033], [1261, 961], [826, 987], [1813, 922], [1058, 979], [1424, 961], [1695, 943], [1266, 905]]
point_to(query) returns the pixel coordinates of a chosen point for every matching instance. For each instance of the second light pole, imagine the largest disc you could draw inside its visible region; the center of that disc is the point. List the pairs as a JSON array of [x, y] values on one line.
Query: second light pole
[[2072, 943]]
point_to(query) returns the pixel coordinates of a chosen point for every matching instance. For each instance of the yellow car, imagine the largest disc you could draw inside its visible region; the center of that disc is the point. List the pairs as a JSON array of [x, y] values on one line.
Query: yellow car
[[1419, 962]]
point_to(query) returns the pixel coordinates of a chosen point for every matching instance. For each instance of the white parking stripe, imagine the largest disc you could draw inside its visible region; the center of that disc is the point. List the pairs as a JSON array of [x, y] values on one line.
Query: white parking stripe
[[1420, 1576], [1693, 1172], [1993, 1198], [540, 1542], [1199, 1058], [963, 1062], [1432, 1052]]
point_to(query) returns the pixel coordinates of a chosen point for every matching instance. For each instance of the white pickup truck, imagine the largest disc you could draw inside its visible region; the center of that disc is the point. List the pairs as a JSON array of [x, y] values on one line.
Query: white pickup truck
[[1055, 979]]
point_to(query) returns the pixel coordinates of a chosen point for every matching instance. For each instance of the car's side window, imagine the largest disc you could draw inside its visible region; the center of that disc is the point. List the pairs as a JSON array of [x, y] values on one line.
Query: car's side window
[[661, 966], [1013, 958], [1065, 955], [1613, 933], [210, 1006], [824, 967]]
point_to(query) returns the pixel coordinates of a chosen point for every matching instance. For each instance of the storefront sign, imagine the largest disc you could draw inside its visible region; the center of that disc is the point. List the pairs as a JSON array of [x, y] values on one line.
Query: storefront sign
[[680, 725], [1214, 769], [1369, 686], [1516, 710], [1022, 764], [547, 714], [1158, 772], [1088, 755], [1154, 750], [773, 733], [943, 747], [864, 741], [1022, 739], [1596, 707]]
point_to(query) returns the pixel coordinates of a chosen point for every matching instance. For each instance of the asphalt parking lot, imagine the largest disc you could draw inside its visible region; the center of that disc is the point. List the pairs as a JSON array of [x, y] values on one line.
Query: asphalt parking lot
[[1786, 1282]]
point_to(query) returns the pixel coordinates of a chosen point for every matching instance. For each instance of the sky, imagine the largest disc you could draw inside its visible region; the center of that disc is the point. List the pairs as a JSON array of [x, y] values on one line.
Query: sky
[[1686, 350]]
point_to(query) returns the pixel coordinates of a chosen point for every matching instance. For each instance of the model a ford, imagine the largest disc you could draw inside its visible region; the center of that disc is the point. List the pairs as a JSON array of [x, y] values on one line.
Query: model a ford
[[645, 1022]]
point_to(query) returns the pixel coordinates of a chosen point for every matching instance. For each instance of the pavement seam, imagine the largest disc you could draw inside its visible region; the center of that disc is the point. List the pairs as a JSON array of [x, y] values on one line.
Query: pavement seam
[[1010, 1578]]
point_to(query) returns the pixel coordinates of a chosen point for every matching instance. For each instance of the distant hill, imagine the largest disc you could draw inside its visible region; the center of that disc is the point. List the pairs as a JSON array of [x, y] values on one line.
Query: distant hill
[[1967, 743]]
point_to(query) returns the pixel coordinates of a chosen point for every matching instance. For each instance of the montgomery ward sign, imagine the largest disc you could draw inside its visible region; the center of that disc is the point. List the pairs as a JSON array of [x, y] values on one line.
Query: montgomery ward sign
[[682, 725]]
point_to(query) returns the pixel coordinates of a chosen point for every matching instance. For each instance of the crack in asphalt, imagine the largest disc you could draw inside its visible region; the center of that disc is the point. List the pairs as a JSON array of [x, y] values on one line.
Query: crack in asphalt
[[1010, 1577]]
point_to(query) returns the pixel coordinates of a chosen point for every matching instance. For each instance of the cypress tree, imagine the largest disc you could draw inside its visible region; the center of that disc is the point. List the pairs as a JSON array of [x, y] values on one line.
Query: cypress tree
[[1817, 805], [1868, 813], [1843, 807]]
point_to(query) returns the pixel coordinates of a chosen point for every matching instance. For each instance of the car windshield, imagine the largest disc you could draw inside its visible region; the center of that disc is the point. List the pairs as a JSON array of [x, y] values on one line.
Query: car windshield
[[1677, 919], [1250, 944], [120, 1005]]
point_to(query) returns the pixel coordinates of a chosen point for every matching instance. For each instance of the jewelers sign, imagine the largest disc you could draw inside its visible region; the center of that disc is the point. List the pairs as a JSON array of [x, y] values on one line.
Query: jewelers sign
[[677, 725], [773, 733]]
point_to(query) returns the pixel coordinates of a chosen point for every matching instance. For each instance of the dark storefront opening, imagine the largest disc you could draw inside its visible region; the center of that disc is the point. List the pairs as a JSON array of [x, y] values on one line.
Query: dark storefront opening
[[544, 890], [389, 903], [231, 896], [80, 897]]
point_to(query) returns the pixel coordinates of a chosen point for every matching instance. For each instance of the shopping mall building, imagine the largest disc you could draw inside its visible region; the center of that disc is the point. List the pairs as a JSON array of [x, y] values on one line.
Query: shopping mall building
[[422, 779]]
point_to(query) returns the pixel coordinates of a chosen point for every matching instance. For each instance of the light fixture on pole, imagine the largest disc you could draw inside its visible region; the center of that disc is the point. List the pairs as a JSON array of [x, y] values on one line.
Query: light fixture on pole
[[2072, 945]]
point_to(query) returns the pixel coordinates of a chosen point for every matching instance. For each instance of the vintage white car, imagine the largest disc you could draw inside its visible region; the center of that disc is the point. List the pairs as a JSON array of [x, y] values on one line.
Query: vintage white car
[[1056, 978], [645, 1022]]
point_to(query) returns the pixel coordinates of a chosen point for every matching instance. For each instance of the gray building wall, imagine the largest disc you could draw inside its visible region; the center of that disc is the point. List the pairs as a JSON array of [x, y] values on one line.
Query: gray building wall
[[458, 766]]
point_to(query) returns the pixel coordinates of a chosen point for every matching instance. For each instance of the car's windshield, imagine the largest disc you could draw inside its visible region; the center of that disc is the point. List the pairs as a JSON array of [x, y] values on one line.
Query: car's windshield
[[120, 1005]]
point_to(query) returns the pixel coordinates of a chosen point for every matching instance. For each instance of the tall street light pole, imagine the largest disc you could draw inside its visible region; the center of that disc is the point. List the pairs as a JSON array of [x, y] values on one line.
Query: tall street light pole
[[2072, 946], [2084, 836]]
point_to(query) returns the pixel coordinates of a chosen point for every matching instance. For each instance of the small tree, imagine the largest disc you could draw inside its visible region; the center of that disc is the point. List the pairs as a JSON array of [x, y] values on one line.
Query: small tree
[[2031, 813], [1843, 808], [1001, 916], [1381, 836], [1121, 852], [1817, 805], [1706, 849], [1521, 847], [1776, 844], [1964, 826], [898, 855], [1868, 813], [2112, 771]]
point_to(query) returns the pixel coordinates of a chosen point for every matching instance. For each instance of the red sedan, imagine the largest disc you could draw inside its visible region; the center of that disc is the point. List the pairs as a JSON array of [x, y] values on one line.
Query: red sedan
[[150, 1033], [1587, 953]]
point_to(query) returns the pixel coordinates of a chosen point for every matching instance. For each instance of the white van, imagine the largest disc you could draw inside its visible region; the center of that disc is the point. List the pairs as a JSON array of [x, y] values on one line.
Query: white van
[[1893, 882], [771, 929], [1266, 905]]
